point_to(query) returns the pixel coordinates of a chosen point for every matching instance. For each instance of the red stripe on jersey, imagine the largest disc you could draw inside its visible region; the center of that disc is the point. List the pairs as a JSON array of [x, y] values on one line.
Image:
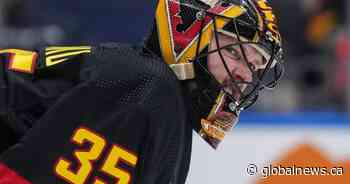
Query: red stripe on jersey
[[9, 176]]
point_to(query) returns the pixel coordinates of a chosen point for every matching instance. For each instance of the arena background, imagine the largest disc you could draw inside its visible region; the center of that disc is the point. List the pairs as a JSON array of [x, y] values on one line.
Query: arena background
[[305, 122]]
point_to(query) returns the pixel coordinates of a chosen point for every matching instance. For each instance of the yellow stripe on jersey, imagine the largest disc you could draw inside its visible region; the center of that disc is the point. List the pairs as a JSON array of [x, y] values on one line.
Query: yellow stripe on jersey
[[21, 60], [56, 55], [52, 50]]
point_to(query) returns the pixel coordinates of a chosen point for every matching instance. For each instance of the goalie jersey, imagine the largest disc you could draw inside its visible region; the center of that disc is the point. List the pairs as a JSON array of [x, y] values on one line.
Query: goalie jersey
[[92, 114]]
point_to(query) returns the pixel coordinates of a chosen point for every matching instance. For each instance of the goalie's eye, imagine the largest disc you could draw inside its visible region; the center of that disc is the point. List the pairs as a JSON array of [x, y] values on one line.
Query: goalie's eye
[[233, 53]]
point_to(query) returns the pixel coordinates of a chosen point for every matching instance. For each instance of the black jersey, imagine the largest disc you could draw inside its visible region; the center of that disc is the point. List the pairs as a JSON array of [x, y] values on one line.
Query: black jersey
[[105, 114]]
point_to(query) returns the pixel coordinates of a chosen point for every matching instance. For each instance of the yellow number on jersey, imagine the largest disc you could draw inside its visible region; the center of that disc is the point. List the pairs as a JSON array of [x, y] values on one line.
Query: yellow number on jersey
[[85, 159], [117, 155]]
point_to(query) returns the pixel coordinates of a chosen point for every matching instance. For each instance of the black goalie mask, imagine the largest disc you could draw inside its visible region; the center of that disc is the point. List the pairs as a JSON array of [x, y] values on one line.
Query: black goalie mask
[[225, 51]]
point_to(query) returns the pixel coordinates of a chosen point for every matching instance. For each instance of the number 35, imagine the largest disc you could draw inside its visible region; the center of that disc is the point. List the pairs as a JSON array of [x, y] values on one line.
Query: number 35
[[86, 158]]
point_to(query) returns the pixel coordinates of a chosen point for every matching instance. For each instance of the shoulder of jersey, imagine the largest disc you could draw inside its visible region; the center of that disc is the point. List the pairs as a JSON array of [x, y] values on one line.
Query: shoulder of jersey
[[25, 61]]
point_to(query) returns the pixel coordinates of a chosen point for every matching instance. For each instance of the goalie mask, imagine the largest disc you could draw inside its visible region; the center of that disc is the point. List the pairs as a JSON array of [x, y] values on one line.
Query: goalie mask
[[224, 51]]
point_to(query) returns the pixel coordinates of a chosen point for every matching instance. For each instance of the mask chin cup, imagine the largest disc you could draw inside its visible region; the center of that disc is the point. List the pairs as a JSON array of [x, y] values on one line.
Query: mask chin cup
[[221, 119]]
